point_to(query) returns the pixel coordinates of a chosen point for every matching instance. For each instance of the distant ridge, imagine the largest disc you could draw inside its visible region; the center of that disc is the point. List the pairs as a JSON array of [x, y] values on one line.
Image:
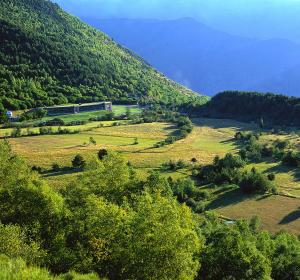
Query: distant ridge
[[208, 60]]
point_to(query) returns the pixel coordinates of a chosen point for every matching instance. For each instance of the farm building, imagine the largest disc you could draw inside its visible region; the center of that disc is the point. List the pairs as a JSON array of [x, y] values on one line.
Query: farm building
[[9, 114], [79, 108]]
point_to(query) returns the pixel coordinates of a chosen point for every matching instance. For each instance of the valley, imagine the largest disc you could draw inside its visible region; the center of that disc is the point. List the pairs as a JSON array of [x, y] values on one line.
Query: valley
[[209, 138], [110, 170]]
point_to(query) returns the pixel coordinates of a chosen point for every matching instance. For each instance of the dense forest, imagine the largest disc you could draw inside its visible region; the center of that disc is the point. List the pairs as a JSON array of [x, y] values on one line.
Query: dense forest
[[269, 109], [48, 57], [107, 223]]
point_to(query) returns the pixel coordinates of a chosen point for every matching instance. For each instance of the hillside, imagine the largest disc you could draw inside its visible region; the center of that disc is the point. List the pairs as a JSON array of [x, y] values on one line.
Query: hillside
[[252, 106], [205, 59], [48, 57]]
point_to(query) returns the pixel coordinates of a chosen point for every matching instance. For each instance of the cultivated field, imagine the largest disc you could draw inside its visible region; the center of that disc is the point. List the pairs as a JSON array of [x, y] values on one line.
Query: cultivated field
[[209, 138]]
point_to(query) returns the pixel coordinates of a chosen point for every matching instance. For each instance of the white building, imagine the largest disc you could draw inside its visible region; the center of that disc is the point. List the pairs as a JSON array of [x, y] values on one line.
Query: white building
[[9, 114]]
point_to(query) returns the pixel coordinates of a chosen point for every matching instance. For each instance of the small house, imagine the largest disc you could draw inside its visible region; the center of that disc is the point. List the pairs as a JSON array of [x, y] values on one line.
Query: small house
[[9, 114]]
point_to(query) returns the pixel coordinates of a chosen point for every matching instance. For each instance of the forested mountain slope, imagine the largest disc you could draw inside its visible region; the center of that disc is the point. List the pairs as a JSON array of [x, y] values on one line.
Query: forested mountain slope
[[253, 106], [48, 57]]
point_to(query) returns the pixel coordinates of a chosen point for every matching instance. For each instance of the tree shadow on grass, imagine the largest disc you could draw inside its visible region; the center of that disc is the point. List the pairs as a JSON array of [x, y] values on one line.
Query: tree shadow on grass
[[284, 169], [293, 216], [61, 172], [227, 198], [224, 123]]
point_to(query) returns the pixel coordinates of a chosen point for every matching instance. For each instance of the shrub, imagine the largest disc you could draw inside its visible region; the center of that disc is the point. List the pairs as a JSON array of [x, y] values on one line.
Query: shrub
[[17, 132], [102, 153], [54, 122], [55, 167], [92, 141], [291, 159], [78, 162], [37, 169], [135, 141], [271, 177], [281, 144], [255, 183]]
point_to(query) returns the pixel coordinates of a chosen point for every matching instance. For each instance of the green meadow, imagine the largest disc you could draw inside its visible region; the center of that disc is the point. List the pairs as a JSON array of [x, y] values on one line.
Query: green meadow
[[210, 137]]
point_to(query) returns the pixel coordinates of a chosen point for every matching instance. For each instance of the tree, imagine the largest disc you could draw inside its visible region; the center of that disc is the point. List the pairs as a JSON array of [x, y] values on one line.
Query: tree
[[128, 113], [111, 178], [230, 255], [154, 239], [102, 153], [15, 244], [136, 141], [194, 160], [255, 182], [92, 141], [286, 257], [17, 132], [26, 200], [55, 167], [78, 162], [164, 241]]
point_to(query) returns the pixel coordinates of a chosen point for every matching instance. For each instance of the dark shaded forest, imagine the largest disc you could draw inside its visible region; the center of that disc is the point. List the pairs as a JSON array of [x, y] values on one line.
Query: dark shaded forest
[[265, 109]]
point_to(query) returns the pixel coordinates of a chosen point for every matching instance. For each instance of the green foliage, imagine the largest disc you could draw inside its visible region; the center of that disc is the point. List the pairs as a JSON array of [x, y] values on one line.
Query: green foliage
[[173, 165], [92, 141], [16, 269], [253, 106], [291, 159], [286, 257], [108, 222], [231, 254], [49, 57], [32, 115], [109, 178], [222, 171], [78, 162], [254, 182], [227, 170], [14, 243], [102, 153], [124, 232]]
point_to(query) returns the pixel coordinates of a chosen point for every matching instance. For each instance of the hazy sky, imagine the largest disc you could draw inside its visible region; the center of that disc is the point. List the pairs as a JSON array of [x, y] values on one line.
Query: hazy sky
[[253, 18]]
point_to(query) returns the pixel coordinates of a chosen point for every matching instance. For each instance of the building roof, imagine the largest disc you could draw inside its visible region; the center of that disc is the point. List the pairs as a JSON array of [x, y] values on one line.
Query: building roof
[[80, 105]]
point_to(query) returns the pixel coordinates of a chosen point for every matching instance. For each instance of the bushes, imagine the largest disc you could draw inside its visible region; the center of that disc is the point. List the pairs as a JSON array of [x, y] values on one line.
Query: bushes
[[78, 162], [186, 191], [110, 222], [184, 125], [15, 244], [229, 254], [17, 132], [252, 150], [17, 268], [225, 170], [228, 171], [173, 165], [291, 159], [33, 114], [254, 182]]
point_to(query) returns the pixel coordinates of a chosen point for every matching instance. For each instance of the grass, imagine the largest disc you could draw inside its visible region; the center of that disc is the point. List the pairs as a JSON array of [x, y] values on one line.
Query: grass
[[275, 212], [209, 138], [85, 116]]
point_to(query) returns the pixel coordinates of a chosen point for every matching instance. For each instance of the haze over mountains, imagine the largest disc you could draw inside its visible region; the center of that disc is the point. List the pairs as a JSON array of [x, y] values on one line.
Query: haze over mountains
[[264, 19], [207, 60]]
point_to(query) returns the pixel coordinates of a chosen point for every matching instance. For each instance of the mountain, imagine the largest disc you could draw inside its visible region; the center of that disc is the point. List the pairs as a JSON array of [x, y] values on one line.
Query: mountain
[[49, 57], [205, 59]]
